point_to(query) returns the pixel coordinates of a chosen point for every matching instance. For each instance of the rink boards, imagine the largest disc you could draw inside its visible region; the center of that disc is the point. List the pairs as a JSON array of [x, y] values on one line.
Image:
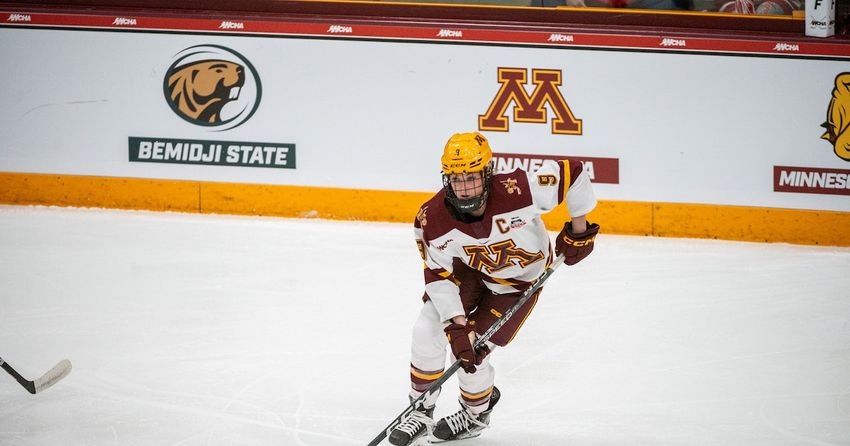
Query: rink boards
[[683, 136]]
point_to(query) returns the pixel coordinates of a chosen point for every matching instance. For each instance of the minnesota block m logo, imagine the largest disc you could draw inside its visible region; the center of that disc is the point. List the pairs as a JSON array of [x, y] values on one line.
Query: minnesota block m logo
[[507, 255], [530, 108]]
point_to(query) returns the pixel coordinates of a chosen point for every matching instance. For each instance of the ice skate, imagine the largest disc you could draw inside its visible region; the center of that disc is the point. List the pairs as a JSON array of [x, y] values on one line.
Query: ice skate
[[463, 424], [413, 428]]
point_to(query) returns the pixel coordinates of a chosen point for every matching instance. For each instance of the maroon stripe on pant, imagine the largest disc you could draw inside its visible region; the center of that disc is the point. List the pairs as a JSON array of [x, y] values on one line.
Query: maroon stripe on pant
[[476, 399], [420, 380]]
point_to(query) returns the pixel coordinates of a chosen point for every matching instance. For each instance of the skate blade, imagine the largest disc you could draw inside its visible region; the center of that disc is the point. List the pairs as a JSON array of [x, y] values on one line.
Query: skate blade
[[421, 440], [466, 436]]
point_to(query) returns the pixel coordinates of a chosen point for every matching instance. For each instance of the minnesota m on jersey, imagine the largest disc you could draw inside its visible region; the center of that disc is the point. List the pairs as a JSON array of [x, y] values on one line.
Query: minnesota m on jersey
[[498, 256]]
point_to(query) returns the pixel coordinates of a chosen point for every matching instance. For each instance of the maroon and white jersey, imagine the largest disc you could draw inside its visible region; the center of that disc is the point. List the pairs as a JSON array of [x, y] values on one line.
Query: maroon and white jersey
[[509, 245]]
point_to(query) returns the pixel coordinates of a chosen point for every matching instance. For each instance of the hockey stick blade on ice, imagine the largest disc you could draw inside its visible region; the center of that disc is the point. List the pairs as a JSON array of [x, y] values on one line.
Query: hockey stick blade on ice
[[478, 344], [51, 377]]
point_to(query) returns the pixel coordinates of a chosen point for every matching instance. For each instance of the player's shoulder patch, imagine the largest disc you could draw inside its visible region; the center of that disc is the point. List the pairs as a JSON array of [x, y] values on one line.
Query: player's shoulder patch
[[511, 186], [510, 190], [422, 216], [512, 183], [433, 217]]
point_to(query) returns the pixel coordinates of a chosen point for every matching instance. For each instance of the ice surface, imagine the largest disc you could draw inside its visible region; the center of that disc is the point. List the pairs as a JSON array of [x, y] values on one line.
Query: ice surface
[[218, 330]]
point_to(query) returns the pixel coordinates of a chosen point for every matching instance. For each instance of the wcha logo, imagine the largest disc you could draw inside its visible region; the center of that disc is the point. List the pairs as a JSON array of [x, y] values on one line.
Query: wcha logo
[[339, 29], [781, 46], [19, 18], [124, 21], [212, 86], [561, 38], [529, 108], [231, 25], [449, 33], [674, 42], [837, 123]]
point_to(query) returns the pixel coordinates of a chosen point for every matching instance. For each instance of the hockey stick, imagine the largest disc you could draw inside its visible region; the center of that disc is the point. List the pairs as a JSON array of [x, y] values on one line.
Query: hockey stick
[[478, 344], [51, 377]]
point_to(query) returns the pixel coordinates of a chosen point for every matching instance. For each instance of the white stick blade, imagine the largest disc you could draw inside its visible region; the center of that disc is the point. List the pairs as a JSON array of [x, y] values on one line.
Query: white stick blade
[[53, 375]]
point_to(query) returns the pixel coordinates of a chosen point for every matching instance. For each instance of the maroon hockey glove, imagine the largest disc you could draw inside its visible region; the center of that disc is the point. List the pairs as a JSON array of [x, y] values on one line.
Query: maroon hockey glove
[[575, 247], [461, 339]]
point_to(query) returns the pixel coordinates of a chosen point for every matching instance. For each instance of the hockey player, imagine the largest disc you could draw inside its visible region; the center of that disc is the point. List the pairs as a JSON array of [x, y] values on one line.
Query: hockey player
[[483, 244]]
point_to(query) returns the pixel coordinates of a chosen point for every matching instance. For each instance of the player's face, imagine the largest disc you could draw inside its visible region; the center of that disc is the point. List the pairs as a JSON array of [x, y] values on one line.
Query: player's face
[[467, 185]]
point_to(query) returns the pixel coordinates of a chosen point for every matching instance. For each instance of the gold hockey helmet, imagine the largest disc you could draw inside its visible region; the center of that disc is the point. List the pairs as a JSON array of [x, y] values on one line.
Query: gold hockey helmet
[[466, 152]]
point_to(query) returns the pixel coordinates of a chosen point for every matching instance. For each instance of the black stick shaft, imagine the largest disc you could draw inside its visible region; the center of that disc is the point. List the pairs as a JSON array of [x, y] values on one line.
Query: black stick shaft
[[478, 344], [29, 385]]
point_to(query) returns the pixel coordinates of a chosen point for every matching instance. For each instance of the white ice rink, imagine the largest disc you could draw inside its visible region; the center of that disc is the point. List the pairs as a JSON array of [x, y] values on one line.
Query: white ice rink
[[216, 330]]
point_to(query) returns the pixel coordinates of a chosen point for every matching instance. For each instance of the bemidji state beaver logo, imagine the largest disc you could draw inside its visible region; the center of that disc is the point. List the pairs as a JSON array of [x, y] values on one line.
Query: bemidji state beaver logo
[[837, 123], [212, 86]]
